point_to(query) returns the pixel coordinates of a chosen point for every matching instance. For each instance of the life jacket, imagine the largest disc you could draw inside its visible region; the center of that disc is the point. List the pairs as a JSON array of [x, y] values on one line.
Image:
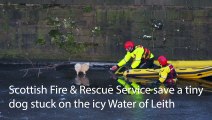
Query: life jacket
[[146, 55], [172, 75]]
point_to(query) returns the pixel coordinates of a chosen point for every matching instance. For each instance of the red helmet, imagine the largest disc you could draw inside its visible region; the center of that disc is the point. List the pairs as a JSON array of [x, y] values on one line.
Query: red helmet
[[129, 44], [162, 60]]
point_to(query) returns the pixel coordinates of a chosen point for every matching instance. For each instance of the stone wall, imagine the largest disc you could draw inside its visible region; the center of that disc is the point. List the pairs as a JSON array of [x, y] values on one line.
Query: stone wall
[[186, 34]]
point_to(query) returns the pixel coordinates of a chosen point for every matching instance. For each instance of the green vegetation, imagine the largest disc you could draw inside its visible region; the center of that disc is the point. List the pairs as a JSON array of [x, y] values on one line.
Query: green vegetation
[[62, 35], [87, 9], [41, 41]]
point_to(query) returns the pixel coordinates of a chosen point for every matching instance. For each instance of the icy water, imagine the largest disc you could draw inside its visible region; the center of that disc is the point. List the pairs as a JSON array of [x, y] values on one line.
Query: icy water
[[191, 107]]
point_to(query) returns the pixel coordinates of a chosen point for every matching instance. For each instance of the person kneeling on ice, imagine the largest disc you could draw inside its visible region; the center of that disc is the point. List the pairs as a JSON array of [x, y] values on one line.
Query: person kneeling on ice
[[167, 73], [142, 57]]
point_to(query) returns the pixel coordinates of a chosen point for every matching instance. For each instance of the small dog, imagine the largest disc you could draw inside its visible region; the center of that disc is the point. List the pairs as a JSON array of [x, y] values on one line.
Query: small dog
[[81, 68]]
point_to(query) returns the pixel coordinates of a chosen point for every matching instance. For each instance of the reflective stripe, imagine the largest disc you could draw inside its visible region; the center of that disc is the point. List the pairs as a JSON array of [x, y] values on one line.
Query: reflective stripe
[[125, 59], [137, 59], [163, 77], [146, 54]]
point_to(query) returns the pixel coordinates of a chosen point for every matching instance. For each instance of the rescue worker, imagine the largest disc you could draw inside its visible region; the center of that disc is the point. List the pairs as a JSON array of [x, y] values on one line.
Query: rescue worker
[[142, 57], [167, 73]]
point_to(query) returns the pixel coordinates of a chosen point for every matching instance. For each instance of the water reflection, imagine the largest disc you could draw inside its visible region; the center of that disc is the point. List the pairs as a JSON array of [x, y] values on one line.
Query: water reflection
[[140, 85], [82, 80], [201, 83], [137, 83], [188, 104]]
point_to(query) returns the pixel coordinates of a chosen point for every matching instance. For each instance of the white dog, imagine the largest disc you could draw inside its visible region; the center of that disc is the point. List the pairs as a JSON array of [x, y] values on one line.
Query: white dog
[[81, 68]]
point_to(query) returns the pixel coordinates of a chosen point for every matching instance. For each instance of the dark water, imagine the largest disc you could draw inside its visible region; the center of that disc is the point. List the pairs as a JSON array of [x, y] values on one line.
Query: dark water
[[190, 107]]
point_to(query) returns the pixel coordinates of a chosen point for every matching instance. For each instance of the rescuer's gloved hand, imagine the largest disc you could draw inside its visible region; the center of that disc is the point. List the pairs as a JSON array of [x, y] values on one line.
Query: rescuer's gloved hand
[[114, 68]]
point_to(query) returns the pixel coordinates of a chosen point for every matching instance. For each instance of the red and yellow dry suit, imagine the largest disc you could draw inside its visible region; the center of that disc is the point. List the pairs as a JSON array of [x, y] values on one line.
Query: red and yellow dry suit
[[167, 74], [140, 54]]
